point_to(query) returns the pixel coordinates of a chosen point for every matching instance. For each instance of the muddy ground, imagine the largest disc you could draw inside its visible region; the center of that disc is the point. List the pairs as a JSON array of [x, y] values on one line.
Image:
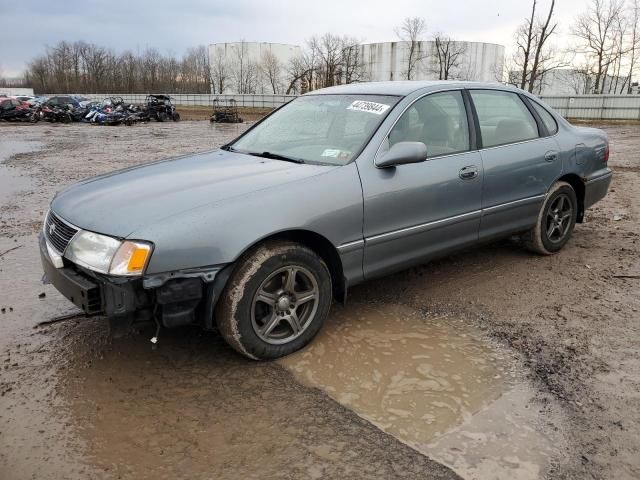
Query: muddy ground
[[489, 364]]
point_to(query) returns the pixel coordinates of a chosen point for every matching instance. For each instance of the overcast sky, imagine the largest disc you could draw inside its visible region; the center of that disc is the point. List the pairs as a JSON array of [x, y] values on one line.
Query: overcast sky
[[28, 26]]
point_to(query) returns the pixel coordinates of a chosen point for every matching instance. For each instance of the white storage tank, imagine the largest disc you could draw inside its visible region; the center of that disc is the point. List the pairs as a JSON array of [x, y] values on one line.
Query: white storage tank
[[478, 61]]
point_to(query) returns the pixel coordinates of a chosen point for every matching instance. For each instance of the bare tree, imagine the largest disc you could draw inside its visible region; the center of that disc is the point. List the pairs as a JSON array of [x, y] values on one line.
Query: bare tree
[[580, 78], [535, 56], [595, 29], [271, 70], [296, 72], [524, 42], [411, 31], [195, 74], [329, 54], [542, 56], [89, 68], [353, 68], [634, 43], [220, 71], [449, 56], [243, 69], [620, 50]]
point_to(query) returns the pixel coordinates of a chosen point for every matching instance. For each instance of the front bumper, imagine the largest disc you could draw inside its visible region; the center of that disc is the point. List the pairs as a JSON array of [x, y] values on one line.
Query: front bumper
[[92, 295], [175, 302]]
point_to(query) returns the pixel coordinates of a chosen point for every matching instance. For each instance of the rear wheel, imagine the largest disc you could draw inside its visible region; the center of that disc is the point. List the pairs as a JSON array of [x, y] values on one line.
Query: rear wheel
[[276, 300], [556, 221]]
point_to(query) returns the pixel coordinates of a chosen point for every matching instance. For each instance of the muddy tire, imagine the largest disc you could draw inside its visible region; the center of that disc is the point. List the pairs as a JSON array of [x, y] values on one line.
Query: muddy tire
[[275, 301], [555, 222]]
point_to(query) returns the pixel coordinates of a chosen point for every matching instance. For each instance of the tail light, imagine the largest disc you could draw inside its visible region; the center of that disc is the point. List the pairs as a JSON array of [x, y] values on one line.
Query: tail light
[[605, 157]]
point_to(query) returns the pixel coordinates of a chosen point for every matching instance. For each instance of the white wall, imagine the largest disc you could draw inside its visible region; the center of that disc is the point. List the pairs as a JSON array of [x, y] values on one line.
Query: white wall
[[388, 61], [17, 91]]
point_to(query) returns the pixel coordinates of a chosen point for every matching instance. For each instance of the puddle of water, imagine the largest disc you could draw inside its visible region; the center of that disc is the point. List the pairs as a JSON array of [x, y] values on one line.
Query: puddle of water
[[10, 181], [436, 385], [413, 377]]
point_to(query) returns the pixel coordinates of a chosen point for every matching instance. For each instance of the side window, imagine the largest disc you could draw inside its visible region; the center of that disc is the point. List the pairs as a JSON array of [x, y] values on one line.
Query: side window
[[547, 118], [438, 120], [503, 118]]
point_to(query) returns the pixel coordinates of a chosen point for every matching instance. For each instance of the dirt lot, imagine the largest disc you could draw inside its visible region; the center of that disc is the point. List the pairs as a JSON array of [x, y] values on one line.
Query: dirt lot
[[248, 114], [490, 364]]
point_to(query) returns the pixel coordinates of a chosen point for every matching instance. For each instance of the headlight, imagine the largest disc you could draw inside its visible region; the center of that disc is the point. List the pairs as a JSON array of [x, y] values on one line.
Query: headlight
[[131, 258], [107, 255]]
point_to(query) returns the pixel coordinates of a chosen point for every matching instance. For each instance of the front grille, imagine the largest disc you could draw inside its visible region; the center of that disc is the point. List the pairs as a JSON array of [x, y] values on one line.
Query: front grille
[[58, 232]]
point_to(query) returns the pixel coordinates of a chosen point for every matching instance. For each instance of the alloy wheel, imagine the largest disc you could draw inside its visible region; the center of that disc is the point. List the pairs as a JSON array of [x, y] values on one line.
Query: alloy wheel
[[285, 304], [559, 218]]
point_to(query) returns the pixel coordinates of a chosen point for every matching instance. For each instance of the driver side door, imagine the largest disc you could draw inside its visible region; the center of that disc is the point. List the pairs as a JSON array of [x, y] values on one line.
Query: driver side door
[[419, 211]]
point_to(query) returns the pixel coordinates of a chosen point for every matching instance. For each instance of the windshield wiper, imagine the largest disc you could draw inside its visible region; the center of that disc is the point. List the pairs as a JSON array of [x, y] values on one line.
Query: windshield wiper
[[275, 156]]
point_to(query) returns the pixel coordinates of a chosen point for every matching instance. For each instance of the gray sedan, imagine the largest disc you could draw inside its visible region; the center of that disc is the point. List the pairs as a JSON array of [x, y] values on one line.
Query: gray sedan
[[336, 187]]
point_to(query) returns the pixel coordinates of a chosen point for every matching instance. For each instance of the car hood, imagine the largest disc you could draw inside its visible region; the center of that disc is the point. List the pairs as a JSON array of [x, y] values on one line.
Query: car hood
[[124, 201]]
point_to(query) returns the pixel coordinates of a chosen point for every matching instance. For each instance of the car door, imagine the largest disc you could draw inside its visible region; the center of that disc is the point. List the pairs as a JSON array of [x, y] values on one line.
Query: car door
[[417, 211], [520, 161]]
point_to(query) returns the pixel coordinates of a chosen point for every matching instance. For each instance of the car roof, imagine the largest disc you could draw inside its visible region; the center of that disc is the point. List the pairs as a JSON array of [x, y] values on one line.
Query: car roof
[[405, 87]]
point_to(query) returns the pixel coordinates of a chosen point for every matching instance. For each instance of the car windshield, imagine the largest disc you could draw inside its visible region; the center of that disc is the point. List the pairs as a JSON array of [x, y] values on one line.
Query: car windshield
[[325, 129]]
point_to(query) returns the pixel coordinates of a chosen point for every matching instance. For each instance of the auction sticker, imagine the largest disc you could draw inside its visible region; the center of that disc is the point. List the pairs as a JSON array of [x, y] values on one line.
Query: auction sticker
[[331, 152], [370, 107]]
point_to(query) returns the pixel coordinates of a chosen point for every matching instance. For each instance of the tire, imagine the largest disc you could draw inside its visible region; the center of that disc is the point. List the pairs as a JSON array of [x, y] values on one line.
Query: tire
[[176, 117], [258, 312], [548, 236]]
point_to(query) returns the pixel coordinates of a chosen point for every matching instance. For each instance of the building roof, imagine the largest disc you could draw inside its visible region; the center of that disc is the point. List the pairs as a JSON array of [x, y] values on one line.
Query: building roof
[[402, 87]]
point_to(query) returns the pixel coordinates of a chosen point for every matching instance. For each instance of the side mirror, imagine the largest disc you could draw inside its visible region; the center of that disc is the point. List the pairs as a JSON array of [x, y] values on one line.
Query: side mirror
[[403, 153]]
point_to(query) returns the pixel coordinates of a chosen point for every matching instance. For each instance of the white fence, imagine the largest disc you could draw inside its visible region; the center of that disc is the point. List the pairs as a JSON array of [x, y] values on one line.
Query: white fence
[[189, 99], [10, 91], [596, 107], [583, 107]]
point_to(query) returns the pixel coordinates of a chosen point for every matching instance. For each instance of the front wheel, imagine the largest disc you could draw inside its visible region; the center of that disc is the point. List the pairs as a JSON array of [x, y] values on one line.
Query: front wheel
[[276, 300], [555, 221]]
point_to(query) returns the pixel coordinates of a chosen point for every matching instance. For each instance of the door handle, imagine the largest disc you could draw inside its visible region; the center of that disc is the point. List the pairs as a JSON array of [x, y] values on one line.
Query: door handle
[[469, 172], [551, 156]]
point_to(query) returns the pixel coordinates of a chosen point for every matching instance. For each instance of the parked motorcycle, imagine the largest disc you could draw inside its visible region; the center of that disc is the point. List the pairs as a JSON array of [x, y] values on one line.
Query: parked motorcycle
[[53, 114]]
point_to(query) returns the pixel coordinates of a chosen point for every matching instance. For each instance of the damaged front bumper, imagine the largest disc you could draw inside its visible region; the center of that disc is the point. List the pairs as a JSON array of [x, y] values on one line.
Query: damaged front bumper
[[173, 299]]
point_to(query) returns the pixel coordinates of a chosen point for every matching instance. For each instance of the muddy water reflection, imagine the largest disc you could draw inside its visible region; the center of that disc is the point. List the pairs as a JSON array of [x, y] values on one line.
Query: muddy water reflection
[[10, 181], [414, 377]]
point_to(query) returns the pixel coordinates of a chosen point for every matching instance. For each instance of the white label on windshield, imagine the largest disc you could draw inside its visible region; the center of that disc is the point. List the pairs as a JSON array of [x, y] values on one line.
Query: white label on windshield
[[330, 152], [370, 107]]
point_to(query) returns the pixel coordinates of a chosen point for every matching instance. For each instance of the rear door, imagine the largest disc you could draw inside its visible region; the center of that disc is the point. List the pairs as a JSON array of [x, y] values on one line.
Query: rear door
[[520, 160], [418, 211]]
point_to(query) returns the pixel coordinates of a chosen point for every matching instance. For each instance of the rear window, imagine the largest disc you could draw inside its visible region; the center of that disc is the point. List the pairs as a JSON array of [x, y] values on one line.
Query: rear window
[[547, 118]]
